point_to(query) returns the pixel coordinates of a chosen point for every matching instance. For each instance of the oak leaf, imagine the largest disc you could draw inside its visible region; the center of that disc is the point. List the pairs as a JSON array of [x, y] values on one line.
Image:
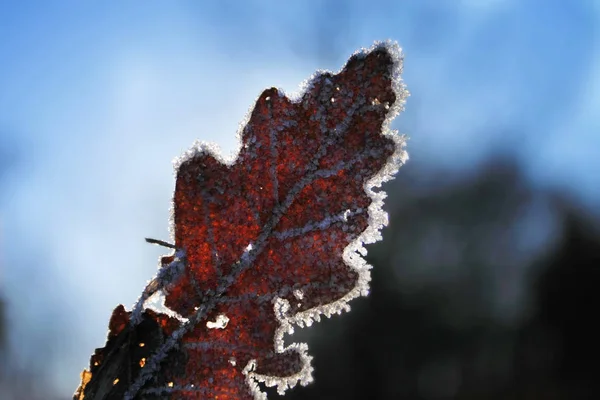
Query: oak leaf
[[267, 240]]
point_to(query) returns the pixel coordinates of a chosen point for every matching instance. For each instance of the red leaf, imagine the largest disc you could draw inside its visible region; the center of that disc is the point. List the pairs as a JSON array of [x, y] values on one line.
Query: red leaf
[[272, 238]]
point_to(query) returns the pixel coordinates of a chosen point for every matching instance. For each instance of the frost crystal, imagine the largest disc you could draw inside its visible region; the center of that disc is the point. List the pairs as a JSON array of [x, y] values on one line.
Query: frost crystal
[[219, 323]]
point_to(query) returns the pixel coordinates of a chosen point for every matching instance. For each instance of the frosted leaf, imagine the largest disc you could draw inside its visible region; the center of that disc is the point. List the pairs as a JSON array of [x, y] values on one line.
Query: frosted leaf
[[271, 237]]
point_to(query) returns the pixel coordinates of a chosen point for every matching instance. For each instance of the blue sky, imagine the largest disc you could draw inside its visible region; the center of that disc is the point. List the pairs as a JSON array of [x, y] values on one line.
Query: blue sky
[[97, 98]]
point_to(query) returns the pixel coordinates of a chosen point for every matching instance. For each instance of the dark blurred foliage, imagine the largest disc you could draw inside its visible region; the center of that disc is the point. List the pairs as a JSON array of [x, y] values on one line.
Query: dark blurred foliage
[[482, 289]]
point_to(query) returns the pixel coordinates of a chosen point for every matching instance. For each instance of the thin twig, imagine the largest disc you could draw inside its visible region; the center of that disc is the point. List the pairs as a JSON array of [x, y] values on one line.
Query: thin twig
[[161, 243]]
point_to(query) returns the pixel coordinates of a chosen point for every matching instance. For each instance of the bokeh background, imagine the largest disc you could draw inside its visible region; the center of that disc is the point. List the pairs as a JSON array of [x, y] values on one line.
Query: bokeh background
[[485, 285]]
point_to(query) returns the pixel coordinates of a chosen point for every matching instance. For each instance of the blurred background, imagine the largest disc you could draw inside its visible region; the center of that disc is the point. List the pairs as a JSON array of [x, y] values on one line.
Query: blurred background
[[485, 284]]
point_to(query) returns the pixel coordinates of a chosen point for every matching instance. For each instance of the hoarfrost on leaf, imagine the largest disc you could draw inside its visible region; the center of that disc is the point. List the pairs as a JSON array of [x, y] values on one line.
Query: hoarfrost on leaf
[[283, 222], [219, 323]]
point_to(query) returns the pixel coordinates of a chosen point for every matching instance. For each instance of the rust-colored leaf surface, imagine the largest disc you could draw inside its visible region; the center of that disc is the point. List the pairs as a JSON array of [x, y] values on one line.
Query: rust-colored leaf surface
[[269, 240]]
